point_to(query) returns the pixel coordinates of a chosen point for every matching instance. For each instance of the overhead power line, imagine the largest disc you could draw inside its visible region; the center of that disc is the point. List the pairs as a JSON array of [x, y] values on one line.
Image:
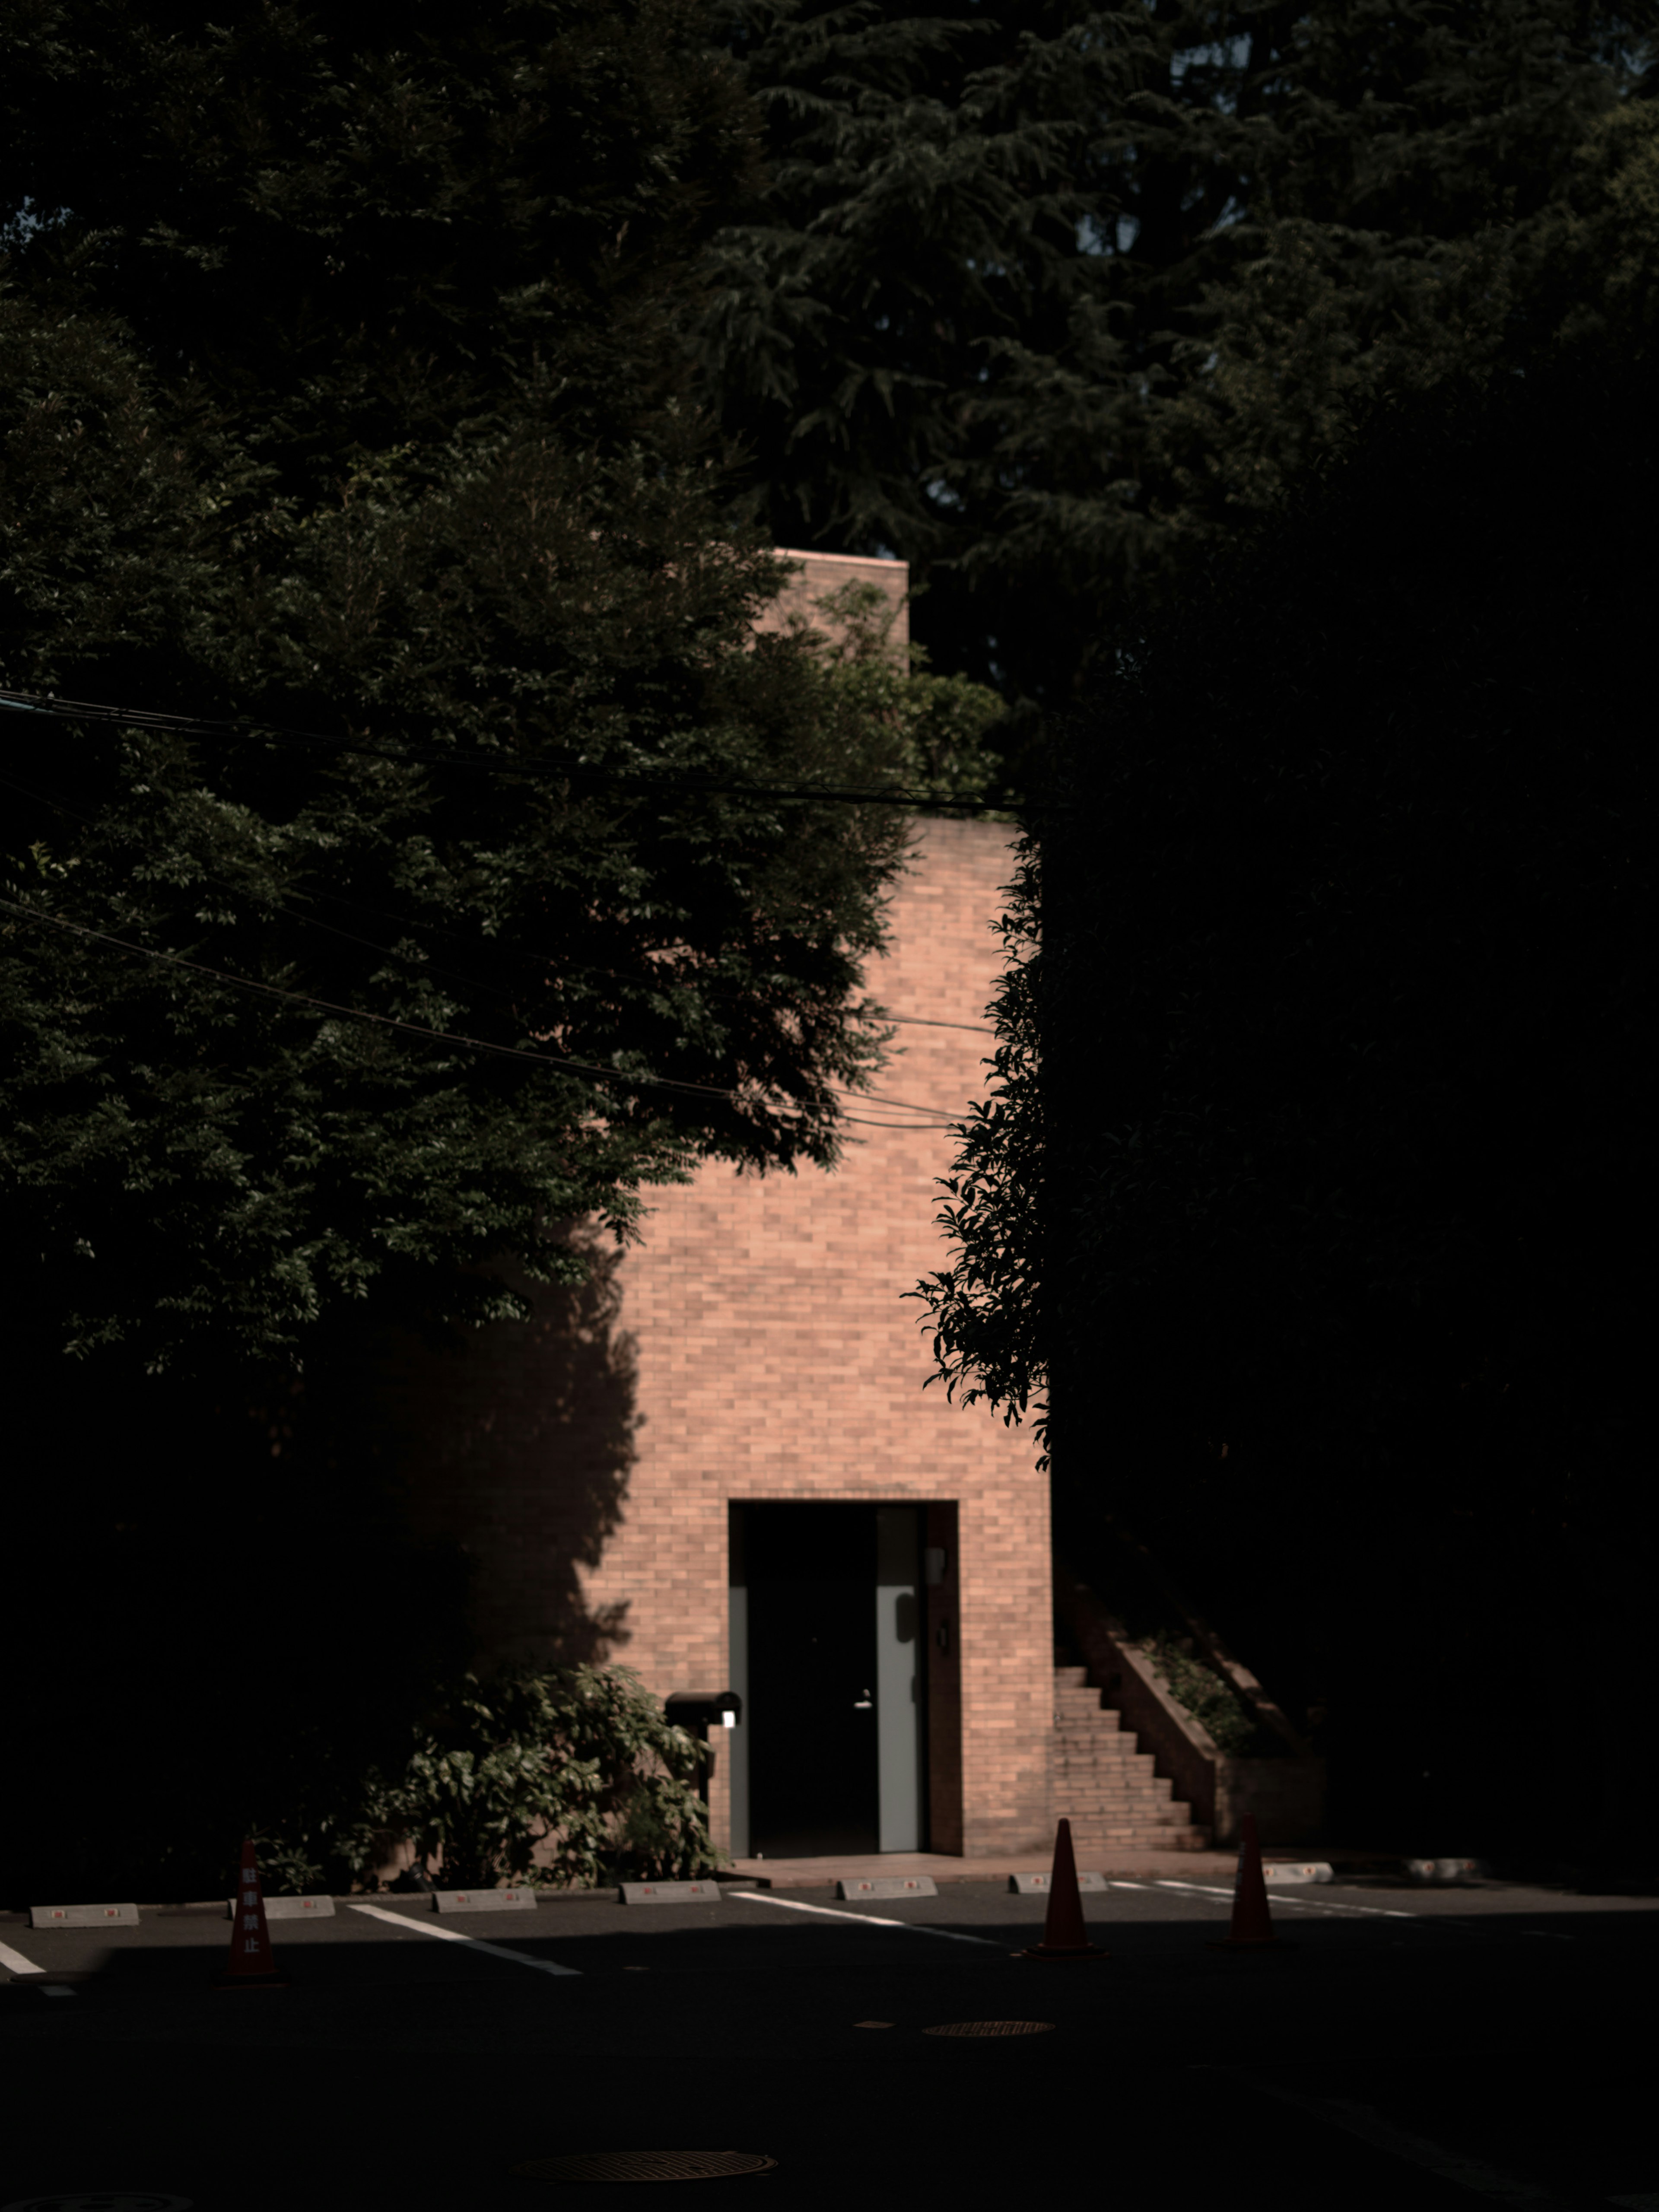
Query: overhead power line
[[542, 768], [443, 1036], [704, 985]]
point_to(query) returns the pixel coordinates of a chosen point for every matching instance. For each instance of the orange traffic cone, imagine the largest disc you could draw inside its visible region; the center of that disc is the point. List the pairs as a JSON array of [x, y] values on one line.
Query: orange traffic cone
[[252, 1966], [1065, 1935], [1252, 1927]]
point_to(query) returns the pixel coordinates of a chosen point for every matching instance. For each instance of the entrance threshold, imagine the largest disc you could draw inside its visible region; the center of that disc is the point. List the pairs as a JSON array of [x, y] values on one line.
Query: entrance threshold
[[825, 1872]]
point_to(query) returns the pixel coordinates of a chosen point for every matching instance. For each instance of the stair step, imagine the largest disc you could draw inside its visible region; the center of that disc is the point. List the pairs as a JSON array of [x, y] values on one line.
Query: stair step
[[1120, 1832], [1092, 1819], [1169, 1841], [1105, 1785], [1121, 1779], [1156, 1789], [1125, 1816], [1080, 1816], [1115, 1835], [1174, 1834], [1162, 1839]]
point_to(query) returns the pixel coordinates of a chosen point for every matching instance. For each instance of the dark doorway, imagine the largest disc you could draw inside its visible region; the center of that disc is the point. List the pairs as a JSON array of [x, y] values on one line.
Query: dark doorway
[[813, 1750]]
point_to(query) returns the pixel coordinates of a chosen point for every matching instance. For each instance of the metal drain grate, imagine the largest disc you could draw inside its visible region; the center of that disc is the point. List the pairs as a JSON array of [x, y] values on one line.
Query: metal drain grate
[[992, 2028], [646, 2165]]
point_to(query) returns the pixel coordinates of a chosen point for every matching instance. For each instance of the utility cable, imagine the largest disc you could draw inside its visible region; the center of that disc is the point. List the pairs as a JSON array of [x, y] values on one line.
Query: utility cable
[[442, 1037], [433, 967], [540, 769]]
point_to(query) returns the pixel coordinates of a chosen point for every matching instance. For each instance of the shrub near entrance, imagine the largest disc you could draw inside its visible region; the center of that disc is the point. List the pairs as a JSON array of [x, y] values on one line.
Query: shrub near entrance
[[569, 1778]]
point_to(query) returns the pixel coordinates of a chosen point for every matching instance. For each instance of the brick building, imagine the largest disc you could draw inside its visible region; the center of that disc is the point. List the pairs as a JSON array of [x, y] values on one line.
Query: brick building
[[717, 1464]]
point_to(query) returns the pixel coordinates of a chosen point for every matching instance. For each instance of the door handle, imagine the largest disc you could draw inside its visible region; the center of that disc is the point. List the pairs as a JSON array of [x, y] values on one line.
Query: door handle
[[861, 1705]]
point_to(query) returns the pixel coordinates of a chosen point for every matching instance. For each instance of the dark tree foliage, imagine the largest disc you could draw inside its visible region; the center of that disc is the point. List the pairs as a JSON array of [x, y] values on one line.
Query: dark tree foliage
[[1045, 300], [345, 394], [1323, 1147]]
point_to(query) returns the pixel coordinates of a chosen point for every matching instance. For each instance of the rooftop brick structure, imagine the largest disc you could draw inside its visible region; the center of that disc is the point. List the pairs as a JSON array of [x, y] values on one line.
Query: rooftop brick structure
[[821, 572]]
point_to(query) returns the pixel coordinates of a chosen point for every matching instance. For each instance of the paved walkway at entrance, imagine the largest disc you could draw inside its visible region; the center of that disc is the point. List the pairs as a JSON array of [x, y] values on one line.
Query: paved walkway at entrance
[[1131, 1866]]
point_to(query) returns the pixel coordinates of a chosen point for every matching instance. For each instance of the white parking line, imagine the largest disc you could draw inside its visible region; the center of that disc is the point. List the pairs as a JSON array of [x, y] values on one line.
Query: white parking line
[[864, 1919], [1371, 2127], [17, 1962], [455, 1935], [1454, 1924], [1308, 1903]]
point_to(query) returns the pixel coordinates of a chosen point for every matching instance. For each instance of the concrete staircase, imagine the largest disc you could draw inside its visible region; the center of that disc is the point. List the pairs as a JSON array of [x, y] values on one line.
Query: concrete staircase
[[1105, 1784]]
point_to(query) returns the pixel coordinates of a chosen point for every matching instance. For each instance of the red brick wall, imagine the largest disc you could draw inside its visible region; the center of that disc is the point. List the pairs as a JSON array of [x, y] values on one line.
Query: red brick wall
[[821, 572], [757, 1346]]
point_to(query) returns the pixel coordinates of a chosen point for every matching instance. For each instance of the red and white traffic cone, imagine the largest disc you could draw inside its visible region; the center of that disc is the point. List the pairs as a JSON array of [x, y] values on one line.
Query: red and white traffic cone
[[251, 1965], [1252, 1927], [1064, 1935]]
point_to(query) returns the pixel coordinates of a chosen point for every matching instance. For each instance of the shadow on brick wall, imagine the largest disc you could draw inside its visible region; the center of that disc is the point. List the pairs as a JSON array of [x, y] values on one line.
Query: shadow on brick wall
[[517, 1441]]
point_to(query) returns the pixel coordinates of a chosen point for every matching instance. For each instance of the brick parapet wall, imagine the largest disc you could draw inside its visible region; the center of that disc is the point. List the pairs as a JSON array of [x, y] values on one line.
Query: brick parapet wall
[[819, 573]]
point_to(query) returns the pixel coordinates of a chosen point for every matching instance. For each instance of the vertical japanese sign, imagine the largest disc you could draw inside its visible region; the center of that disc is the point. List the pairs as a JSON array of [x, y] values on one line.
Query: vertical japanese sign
[[251, 1958]]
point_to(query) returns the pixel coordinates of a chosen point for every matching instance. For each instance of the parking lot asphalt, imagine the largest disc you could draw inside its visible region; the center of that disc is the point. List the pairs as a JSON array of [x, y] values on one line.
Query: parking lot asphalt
[[1413, 2048]]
